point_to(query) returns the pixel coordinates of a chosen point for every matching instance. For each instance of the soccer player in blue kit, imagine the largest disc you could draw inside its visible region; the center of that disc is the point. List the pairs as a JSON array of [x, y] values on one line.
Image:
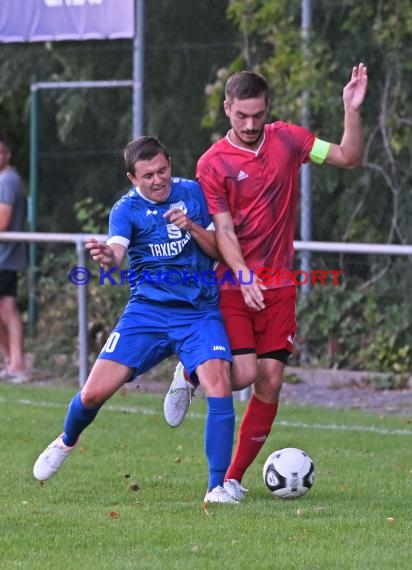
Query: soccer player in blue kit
[[161, 223]]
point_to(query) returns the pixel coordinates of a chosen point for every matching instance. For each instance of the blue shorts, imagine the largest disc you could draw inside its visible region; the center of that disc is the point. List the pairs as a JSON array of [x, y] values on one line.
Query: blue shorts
[[146, 334]]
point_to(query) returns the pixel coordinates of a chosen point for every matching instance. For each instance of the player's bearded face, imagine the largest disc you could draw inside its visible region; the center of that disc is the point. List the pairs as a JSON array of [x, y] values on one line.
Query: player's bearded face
[[247, 118], [152, 177]]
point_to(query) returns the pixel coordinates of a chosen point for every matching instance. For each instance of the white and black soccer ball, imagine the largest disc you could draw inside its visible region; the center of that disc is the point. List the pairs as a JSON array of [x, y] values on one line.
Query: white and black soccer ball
[[289, 473]]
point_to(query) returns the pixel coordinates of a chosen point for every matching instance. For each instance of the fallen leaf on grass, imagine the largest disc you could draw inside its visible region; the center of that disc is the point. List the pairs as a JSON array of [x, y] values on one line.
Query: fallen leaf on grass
[[114, 515], [390, 520], [297, 537], [205, 510], [133, 487]]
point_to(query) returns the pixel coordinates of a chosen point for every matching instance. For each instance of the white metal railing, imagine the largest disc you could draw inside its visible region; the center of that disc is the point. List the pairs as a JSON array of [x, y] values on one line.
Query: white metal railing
[[78, 239]]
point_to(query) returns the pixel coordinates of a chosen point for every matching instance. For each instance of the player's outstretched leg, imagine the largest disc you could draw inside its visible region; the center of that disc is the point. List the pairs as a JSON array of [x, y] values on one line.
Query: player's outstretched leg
[[52, 459], [78, 418], [254, 429], [178, 397]]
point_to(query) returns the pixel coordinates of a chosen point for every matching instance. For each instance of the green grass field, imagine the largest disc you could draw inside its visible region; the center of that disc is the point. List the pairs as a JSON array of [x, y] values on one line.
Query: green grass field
[[131, 495]]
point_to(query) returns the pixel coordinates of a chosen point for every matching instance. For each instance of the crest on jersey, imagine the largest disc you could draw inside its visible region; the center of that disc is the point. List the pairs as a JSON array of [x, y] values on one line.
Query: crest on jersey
[[179, 205]]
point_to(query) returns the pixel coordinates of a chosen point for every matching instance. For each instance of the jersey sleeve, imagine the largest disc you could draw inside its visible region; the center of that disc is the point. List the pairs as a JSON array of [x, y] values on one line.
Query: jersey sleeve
[[303, 141], [120, 226], [7, 193], [213, 185], [206, 220]]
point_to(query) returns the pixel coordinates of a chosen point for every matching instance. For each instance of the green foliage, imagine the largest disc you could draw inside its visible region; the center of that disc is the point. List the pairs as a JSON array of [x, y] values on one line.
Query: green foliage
[[55, 343], [345, 327], [272, 45], [377, 200], [389, 381], [290, 378], [92, 216], [331, 323], [387, 353], [82, 132]]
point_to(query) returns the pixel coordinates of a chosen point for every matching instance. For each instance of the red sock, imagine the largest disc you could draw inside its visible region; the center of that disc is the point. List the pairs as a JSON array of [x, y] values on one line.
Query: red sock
[[253, 432]]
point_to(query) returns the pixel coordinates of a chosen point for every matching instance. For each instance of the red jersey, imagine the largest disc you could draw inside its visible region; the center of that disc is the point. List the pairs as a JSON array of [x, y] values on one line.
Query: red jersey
[[260, 190]]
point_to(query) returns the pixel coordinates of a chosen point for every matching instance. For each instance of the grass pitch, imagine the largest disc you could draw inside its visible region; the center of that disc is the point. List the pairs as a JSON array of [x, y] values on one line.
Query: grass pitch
[[131, 495]]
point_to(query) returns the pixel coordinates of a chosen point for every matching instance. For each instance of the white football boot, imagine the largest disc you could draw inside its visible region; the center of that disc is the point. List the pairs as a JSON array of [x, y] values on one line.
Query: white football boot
[[178, 398], [235, 489], [219, 495], [52, 459]]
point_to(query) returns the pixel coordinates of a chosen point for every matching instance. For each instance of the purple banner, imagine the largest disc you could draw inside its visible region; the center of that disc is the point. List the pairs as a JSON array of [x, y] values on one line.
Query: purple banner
[[54, 20]]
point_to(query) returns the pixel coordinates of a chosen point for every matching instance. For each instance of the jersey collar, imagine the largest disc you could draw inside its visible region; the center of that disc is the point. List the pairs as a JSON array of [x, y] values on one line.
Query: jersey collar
[[151, 201], [255, 152]]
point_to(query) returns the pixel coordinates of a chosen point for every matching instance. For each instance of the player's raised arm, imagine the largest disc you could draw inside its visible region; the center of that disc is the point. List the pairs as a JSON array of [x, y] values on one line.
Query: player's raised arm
[[349, 153]]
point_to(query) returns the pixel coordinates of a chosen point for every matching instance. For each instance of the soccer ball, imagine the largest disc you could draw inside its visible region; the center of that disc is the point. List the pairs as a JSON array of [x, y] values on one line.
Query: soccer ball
[[289, 473]]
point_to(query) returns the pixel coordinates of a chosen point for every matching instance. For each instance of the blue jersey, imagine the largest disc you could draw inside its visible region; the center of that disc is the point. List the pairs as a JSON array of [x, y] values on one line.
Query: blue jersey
[[165, 263]]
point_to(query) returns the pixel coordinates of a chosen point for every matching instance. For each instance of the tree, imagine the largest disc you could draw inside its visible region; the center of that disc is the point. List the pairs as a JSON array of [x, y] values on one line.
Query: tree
[[82, 132], [373, 205]]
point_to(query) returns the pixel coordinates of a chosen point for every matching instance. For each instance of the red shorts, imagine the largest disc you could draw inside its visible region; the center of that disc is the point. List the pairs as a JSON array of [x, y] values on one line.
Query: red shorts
[[265, 331]]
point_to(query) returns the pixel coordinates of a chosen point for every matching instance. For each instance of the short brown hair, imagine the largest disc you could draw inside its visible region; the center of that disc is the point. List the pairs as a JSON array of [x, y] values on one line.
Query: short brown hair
[[246, 85], [143, 148]]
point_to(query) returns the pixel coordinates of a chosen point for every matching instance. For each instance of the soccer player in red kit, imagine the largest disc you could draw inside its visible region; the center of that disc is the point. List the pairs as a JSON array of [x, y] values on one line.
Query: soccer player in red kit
[[251, 182]]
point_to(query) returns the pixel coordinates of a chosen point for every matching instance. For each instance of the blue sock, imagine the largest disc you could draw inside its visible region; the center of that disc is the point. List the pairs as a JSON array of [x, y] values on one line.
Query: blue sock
[[219, 433], [77, 419]]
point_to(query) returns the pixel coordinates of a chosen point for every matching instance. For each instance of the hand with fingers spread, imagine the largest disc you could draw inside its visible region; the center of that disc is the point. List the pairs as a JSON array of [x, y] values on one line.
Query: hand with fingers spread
[[354, 92]]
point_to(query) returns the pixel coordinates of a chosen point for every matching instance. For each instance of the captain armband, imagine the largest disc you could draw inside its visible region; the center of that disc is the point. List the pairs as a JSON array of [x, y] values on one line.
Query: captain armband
[[319, 151]]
